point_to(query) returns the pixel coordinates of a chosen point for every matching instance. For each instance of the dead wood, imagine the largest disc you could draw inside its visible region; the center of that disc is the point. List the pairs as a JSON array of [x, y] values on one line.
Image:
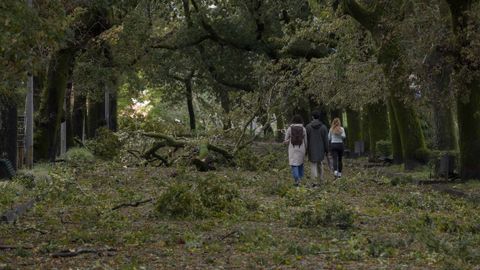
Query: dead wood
[[167, 141], [134, 204], [73, 253], [7, 247]]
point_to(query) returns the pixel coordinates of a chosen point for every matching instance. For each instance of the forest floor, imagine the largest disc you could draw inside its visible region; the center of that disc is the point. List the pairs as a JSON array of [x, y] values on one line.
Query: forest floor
[[372, 218]]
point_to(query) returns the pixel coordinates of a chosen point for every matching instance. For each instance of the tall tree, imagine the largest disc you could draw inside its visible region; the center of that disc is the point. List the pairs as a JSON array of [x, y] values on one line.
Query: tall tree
[[380, 20], [465, 23]]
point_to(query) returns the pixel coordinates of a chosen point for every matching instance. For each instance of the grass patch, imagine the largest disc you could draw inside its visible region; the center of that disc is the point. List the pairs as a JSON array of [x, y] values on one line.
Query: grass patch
[[324, 213]]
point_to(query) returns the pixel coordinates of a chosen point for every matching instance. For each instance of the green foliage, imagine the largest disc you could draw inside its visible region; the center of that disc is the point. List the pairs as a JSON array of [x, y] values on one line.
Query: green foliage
[[386, 246], [324, 213], [77, 156], [180, 201], [219, 196], [384, 148], [106, 144], [297, 196], [209, 197], [247, 159]]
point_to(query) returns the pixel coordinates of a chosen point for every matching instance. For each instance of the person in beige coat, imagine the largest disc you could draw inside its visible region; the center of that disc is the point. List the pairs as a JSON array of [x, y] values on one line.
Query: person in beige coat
[[296, 138]]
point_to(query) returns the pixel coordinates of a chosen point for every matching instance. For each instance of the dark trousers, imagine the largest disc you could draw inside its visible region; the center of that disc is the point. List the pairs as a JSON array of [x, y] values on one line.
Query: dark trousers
[[337, 154]]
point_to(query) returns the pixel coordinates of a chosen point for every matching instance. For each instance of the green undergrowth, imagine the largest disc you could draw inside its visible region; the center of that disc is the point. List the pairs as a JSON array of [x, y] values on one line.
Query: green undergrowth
[[176, 218], [210, 196]]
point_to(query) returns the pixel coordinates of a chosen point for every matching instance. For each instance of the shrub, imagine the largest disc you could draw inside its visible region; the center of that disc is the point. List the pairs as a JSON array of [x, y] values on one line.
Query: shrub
[[210, 197], [384, 148], [247, 160], [180, 201], [78, 156], [324, 213], [219, 196], [106, 144]]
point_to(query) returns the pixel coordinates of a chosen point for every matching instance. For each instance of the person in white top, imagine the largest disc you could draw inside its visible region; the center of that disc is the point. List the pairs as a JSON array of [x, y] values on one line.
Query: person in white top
[[336, 135], [296, 138]]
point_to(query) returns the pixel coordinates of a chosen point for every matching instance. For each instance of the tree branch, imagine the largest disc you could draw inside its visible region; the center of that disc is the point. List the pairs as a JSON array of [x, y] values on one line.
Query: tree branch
[[367, 18]]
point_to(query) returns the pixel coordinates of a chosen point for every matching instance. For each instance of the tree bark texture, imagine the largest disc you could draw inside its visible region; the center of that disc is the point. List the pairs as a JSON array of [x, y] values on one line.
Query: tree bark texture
[[390, 55], [377, 126], [440, 70], [354, 132], [68, 115], [79, 113], [468, 101], [394, 135], [51, 111], [191, 110], [95, 116], [226, 107], [8, 130], [365, 130]]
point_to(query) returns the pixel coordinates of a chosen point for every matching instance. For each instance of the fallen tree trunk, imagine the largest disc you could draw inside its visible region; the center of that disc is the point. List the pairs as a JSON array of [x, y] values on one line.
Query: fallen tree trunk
[[172, 142]]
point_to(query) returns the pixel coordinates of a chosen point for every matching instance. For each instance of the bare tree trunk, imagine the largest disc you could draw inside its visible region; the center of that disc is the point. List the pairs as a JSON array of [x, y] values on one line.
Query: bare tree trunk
[[354, 132], [191, 111], [8, 129]]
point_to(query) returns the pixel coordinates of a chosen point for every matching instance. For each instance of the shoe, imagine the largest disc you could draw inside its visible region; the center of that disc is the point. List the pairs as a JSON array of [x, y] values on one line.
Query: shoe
[[339, 174], [335, 173]]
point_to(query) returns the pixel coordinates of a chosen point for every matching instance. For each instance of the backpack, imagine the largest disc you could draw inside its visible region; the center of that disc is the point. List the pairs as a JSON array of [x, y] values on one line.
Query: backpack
[[297, 135]]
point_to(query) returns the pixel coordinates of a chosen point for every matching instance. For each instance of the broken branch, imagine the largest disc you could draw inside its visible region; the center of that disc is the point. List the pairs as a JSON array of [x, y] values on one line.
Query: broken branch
[[134, 204]]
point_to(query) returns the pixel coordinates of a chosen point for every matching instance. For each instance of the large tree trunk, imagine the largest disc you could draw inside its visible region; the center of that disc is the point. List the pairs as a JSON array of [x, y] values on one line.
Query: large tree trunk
[[113, 123], [8, 130], [365, 130], [407, 122], [354, 132], [469, 131], [377, 126], [440, 70], [95, 116], [394, 135], [51, 109], [444, 124], [226, 107], [468, 101], [391, 56], [79, 113], [411, 135], [191, 111], [68, 116]]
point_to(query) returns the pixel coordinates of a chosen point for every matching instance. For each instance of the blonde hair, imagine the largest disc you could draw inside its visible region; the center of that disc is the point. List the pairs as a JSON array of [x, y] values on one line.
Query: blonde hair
[[336, 126]]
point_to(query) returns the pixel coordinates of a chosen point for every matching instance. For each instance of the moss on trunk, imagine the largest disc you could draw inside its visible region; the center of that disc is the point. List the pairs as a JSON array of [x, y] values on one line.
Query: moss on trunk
[[394, 135], [191, 110], [51, 109], [377, 125], [468, 108], [365, 130], [354, 128], [95, 116], [411, 135], [469, 131]]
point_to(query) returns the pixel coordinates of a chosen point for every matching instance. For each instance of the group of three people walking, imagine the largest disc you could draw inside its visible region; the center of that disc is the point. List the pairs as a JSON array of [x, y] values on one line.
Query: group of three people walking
[[315, 141]]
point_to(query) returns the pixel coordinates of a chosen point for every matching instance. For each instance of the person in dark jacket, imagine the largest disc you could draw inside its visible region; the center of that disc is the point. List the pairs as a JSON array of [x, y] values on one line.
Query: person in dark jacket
[[317, 137]]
